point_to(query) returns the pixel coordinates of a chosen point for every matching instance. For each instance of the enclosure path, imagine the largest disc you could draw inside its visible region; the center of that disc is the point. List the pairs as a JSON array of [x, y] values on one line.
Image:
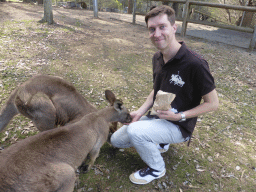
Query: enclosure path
[[230, 37]]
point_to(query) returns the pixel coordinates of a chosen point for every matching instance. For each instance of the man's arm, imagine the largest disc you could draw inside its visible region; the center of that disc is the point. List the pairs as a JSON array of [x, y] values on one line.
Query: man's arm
[[136, 115], [211, 103]]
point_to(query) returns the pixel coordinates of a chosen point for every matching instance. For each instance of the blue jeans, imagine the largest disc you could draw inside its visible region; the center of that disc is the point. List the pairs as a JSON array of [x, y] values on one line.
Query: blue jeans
[[144, 135]]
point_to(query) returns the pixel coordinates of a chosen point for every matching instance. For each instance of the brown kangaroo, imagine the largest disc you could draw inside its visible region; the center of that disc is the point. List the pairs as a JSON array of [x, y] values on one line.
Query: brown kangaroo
[[48, 161], [48, 101]]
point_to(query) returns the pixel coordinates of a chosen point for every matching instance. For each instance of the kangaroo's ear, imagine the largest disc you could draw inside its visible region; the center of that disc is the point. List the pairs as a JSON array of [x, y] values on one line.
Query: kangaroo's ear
[[118, 105], [110, 96]]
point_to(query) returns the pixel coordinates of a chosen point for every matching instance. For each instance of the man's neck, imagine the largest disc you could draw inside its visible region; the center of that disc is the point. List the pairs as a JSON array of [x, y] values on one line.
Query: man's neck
[[169, 53]]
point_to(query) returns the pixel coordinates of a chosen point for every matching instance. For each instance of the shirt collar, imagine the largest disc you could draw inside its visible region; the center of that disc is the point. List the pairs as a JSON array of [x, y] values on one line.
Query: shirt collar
[[179, 54], [181, 51]]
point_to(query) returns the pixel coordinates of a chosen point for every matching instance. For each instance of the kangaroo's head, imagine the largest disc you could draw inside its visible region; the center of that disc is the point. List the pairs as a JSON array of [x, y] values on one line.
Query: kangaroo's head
[[121, 113]]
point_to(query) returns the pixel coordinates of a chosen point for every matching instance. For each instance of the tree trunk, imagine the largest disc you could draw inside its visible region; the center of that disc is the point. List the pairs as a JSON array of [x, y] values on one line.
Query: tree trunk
[[229, 15], [246, 20], [48, 16], [175, 6], [165, 2], [130, 6]]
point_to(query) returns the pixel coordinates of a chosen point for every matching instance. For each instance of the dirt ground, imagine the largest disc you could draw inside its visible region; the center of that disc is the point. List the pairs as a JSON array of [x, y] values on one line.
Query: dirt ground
[[106, 31], [95, 54], [84, 18], [19, 11]]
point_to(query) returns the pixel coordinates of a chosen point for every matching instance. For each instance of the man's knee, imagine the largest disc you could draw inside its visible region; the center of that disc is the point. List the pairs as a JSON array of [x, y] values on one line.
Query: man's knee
[[133, 132], [113, 140]]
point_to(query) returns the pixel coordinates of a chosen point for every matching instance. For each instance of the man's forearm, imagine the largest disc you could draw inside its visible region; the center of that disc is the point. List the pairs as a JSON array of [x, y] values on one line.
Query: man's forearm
[[147, 104], [210, 103]]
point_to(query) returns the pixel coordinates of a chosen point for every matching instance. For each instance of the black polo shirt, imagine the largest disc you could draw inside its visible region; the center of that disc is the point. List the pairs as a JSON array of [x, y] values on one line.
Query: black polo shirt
[[188, 76]]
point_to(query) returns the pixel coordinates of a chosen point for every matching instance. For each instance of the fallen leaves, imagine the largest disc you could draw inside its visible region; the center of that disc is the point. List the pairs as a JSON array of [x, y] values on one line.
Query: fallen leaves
[[6, 136], [200, 170], [34, 48]]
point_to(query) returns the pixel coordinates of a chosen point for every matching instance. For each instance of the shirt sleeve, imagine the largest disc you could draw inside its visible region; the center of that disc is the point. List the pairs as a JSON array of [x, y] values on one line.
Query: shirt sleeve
[[204, 79]]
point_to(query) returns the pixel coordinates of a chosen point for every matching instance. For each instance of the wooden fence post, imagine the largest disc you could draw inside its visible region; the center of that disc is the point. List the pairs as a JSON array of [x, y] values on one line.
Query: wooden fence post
[[253, 41], [186, 15]]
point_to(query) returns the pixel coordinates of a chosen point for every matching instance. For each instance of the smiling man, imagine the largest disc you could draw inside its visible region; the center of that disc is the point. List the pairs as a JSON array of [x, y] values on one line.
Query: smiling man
[[177, 70]]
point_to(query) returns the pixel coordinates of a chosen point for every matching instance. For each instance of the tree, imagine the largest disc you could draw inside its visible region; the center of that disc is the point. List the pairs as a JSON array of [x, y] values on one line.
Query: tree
[[130, 6], [110, 4], [175, 6], [246, 20], [48, 16]]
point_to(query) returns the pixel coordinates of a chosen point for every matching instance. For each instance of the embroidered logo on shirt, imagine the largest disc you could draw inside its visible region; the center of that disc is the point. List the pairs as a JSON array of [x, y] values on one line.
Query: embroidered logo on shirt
[[177, 80]]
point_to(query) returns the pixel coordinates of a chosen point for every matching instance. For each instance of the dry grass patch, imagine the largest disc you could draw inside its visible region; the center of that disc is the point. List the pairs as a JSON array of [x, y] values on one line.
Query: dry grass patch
[[99, 54]]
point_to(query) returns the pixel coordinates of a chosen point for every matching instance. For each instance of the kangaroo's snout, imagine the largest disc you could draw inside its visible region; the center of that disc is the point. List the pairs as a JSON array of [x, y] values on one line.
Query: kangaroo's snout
[[129, 118], [126, 118]]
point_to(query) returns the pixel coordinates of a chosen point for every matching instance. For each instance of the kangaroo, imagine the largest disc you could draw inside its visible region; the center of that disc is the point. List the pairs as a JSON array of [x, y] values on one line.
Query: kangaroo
[[48, 161], [48, 101]]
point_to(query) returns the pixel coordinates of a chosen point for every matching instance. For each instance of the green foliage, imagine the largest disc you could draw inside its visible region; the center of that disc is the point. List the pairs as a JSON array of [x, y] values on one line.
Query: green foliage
[[109, 4]]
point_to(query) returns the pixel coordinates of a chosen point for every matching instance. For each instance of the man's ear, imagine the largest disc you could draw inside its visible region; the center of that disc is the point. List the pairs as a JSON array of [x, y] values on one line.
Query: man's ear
[[118, 105], [175, 27]]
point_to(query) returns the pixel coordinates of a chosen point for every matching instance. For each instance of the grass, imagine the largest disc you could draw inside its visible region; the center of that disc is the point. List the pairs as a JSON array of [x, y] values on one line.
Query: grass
[[222, 155]]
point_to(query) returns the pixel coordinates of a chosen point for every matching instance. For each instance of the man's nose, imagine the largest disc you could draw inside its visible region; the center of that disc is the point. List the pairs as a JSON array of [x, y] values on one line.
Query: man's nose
[[157, 33]]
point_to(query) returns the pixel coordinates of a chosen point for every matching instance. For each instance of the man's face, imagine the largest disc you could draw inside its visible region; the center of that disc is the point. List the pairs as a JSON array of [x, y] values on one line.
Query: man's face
[[161, 32]]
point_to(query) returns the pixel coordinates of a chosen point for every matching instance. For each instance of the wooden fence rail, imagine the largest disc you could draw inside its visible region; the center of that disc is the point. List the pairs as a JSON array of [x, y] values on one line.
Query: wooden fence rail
[[187, 20]]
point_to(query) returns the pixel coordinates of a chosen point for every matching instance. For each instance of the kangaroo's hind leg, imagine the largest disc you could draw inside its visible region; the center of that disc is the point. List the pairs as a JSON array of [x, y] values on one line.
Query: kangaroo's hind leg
[[67, 177], [39, 108], [59, 177]]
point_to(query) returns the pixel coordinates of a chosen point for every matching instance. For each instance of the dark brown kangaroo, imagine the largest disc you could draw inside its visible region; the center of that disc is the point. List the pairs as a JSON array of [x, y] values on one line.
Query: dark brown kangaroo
[[48, 161], [48, 101]]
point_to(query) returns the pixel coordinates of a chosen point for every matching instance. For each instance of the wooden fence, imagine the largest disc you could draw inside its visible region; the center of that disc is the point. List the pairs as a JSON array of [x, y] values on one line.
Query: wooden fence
[[187, 20]]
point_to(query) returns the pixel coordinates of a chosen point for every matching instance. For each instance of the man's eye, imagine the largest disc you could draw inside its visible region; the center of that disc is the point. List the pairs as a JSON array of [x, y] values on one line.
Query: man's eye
[[162, 27], [151, 30]]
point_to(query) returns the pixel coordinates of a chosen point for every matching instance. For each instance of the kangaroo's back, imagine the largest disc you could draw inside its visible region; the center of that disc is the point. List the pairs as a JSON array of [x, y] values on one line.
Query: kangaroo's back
[[62, 93], [48, 101]]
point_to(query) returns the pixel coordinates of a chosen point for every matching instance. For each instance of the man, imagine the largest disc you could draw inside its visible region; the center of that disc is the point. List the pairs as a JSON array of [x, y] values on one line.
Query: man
[[176, 70]]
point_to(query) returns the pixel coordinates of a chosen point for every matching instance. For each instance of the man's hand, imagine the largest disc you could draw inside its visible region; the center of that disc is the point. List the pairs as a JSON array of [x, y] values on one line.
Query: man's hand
[[168, 115], [135, 117]]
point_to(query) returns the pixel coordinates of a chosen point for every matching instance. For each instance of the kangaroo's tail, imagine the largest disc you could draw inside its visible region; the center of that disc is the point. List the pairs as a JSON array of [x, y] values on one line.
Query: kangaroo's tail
[[8, 111]]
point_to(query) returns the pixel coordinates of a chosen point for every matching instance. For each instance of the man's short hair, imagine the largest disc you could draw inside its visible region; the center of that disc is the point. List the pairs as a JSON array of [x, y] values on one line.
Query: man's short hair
[[161, 10]]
